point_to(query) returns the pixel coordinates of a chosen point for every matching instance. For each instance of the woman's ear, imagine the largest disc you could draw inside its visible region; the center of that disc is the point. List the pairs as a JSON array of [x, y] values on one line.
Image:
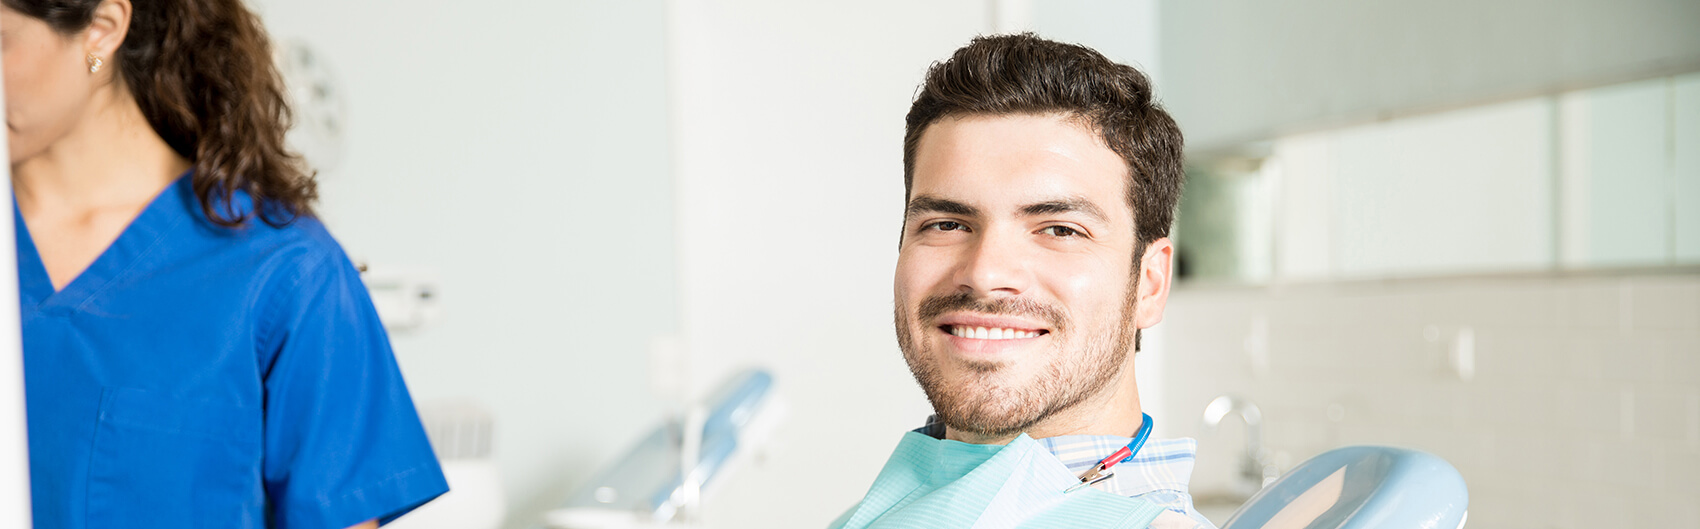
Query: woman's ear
[[107, 30]]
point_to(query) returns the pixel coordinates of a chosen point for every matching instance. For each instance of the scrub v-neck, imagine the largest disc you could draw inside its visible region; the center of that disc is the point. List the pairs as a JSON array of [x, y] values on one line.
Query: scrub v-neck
[[142, 235]]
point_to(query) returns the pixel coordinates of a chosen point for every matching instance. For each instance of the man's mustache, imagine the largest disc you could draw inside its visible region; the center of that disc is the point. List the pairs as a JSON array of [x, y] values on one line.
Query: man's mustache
[[936, 306]]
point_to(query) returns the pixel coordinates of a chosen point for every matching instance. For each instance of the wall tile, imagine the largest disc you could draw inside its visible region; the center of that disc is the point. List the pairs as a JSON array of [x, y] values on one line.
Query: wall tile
[[1664, 303], [1585, 357], [1523, 409], [1606, 508], [1579, 458], [1662, 413], [1682, 478], [1592, 304], [1538, 355], [1656, 511], [1584, 410], [1682, 363], [1638, 465], [1632, 359]]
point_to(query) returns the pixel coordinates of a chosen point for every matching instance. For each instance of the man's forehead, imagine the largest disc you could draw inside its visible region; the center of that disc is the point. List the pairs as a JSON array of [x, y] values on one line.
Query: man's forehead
[[1019, 164]]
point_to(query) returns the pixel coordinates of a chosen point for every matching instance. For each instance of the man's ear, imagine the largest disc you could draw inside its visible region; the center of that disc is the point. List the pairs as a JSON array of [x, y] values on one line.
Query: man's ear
[[1156, 275], [107, 30]]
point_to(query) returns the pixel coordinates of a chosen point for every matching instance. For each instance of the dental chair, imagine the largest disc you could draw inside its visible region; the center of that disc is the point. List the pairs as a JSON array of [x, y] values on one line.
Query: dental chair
[[659, 481], [1360, 487], [661, 477]]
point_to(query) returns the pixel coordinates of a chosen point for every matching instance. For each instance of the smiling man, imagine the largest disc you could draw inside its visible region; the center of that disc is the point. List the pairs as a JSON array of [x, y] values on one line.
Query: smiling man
[[1041, 180]]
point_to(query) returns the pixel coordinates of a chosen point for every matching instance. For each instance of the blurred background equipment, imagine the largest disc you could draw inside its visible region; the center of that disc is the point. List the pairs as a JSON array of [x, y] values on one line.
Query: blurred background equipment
[[1255, 467], [660, 481], [406, 299], [462, 433], [315, 102]]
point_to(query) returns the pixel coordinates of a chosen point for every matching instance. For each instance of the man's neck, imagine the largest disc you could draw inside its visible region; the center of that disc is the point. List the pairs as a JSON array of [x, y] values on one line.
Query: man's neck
[[1113, 411]]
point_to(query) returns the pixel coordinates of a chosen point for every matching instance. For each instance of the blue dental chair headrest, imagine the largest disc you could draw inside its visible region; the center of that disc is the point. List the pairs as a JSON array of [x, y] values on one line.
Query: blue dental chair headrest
[[1360, 487]]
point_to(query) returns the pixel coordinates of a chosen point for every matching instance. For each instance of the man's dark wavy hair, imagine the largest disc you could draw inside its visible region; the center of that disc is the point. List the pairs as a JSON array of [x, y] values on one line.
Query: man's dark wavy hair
[[1025, 74]]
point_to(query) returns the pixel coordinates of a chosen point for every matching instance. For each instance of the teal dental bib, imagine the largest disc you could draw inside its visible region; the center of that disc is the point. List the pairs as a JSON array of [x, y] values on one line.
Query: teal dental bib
[[935, 483]]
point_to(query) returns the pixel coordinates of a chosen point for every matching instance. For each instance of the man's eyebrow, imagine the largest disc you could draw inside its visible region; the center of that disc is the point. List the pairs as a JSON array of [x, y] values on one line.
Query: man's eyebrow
[[1075, 204], [929, 204]]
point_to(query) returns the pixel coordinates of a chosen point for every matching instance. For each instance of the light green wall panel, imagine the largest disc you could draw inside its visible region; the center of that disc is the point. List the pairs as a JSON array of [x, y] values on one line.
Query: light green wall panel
[[1628, 175], [1685, 147]]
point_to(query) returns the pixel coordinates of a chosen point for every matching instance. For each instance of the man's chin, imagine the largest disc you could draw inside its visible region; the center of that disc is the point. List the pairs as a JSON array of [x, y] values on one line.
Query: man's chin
[[980, 369], [988, 423], [988, 410]]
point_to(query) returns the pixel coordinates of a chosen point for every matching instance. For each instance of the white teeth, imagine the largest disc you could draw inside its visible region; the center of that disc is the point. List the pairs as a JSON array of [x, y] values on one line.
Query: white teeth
[[995, 333]]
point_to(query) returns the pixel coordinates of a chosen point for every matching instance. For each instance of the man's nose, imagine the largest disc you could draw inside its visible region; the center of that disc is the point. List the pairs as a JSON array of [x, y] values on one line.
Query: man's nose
[[995, 264]]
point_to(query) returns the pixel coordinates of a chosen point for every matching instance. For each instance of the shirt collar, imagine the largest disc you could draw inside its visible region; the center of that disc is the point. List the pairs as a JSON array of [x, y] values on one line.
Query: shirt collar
[[1162, 464]]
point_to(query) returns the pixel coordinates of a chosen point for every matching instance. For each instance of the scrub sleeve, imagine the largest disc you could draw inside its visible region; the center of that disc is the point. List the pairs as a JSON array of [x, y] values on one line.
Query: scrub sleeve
[[199, 376], [342, 443]]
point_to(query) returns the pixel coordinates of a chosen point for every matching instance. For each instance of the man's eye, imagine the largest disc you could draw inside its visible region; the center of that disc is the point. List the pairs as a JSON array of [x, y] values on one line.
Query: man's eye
[[1060, 231], [945, 225]]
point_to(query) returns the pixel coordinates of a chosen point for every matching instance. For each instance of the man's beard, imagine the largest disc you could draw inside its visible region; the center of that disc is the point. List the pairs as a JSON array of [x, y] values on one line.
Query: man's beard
[[981, 402]]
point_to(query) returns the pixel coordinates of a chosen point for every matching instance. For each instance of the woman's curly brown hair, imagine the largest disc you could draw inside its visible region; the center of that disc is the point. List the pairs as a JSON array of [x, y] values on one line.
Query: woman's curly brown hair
[[202, 73]]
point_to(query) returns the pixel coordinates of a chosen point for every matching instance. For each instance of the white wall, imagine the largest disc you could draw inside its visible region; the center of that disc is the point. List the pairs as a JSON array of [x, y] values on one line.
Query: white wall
[[788, 128], [1126, 31], [520, 150], [1238, 70]]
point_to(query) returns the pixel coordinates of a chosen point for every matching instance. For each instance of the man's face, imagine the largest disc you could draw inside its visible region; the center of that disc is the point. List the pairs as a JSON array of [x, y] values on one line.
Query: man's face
[[1015, 278]]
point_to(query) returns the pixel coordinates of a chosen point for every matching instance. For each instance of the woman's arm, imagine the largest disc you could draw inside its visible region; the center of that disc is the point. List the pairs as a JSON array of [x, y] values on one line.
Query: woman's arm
[[331, 363], [370, 524]]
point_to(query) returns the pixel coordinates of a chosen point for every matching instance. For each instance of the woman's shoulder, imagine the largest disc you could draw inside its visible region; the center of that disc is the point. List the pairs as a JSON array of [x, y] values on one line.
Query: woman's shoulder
[[303, 242], [287, 244], [302, 230], [236, 219], [266, 245]]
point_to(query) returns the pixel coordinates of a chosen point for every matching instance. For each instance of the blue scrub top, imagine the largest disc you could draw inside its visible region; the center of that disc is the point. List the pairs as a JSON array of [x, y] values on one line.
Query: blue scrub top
[[198, 376]]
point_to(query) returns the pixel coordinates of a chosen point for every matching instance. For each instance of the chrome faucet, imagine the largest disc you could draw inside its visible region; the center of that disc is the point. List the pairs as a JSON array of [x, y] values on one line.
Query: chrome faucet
[[1255, 467]]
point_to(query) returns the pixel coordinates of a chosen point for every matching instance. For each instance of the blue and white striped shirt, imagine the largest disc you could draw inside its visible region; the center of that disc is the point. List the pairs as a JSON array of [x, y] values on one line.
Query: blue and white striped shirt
[[1158, 473]]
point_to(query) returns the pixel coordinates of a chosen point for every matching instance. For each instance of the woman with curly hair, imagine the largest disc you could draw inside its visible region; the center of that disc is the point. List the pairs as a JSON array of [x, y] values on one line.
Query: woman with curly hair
[[198, 351]]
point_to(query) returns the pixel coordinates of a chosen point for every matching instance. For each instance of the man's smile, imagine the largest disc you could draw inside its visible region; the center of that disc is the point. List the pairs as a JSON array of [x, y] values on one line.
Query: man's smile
[[982, 333], [983, 337], [989, 327]]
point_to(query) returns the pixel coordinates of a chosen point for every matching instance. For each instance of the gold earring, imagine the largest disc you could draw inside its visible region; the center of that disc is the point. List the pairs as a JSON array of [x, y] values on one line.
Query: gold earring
[[94, 63]]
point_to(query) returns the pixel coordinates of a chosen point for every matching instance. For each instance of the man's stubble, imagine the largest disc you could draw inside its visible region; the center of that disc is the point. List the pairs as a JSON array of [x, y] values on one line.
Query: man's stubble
[[986, 405]]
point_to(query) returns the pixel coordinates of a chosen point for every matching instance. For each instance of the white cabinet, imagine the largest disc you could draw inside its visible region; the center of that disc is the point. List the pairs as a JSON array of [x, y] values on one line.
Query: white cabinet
[[1616, 174], [1464, 191], [1600, 178]]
